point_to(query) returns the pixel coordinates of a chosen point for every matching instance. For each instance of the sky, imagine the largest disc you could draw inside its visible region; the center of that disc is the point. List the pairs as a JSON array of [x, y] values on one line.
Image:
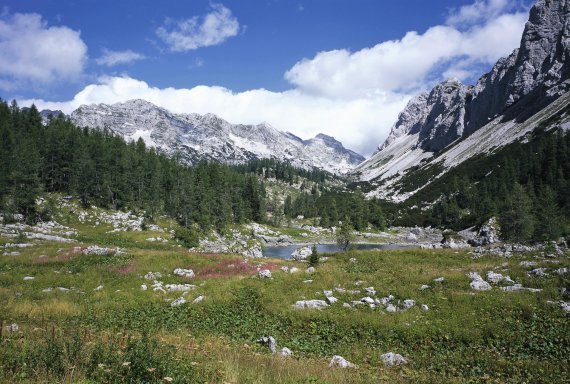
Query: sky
[[345, 68]]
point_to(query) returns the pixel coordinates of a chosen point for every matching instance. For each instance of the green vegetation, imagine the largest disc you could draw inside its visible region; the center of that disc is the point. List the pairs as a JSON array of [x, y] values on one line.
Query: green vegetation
[[525, 182], [344, 235], [120, 333]]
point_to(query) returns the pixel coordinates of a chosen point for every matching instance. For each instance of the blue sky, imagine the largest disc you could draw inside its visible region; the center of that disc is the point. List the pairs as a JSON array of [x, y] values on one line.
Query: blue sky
[[341, 67]]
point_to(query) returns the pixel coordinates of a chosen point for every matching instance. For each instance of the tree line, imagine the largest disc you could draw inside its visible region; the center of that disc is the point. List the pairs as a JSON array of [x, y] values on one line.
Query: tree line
[[525, 184], [103, 169]]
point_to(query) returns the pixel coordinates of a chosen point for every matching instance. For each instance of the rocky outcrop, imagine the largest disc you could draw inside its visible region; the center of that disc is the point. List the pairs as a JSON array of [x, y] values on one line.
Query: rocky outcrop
[[518, 86]]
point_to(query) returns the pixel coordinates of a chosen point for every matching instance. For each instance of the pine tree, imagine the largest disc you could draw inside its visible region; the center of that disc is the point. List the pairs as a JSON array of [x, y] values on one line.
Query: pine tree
[[344, 235], [314, 256], [517, 220]]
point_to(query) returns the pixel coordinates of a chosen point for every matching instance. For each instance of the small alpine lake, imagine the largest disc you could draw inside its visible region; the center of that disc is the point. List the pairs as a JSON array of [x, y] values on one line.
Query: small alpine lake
[[285, 252]]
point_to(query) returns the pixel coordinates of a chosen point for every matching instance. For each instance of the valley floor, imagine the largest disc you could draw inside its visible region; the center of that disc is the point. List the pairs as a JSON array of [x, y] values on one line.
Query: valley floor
[[90, 312]]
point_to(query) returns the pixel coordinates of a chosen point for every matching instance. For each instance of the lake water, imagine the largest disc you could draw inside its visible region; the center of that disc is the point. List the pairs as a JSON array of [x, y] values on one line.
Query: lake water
[[285, 252]]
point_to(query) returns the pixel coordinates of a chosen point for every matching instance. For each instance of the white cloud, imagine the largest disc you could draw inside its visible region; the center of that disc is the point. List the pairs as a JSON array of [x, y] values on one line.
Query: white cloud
[[30, 51], [212, 29], [479, 11], [408, 64], [111, 58]]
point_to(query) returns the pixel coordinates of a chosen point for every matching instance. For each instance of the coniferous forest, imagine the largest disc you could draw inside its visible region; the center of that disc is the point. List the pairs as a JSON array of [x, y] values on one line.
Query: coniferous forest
[[104, 170]]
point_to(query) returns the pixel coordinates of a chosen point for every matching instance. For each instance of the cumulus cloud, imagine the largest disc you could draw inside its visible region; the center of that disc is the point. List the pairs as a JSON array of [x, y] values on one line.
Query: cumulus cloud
[[190, 34], [111, 58], [408, 64], [31, 51]]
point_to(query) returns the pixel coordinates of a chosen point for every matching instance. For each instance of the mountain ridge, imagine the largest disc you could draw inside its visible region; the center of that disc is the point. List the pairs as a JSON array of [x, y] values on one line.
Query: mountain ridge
[[198, 137]]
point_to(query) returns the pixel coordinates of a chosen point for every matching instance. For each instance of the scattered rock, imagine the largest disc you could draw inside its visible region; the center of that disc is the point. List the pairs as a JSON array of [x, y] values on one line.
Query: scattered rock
[[367, 300], [286, 352], [424, 287], [179, 287], [424, 307], [340, 362], [264, 274], [99, 251], [153, 276], [477, 282], [187, 273], [409, 303], [391, 359], [496, 278], [310, 270], [561, 271], [269, 342], [181, 300], [99, 288], [538, 272], [198, 299], [285, 269], [439, 279], [370, 290], [28, 278], [144, 287], [14, 328], [487, 234], [331, 300], [528, 264], [328, 293], [310, 304], [301, 253], [254, 252], [519, 287], [293, 270], [391, 308]]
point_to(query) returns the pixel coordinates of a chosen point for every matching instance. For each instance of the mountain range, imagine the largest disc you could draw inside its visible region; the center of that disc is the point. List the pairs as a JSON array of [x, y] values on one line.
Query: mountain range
[[197, 137]]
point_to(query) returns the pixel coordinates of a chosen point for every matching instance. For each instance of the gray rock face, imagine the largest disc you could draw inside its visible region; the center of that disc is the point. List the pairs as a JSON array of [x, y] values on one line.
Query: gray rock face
[[532, 76], [517, 87], [208, 137]]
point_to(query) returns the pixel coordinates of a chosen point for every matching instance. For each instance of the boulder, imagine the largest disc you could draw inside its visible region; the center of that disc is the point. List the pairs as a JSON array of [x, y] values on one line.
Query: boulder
[[391, 359], [301, 253], [254, 252], [477, 282], [264, 274], [181, 300], [269, 342], [187, 273], [409, 303], [331, 300], [310, 304], [340, 362]]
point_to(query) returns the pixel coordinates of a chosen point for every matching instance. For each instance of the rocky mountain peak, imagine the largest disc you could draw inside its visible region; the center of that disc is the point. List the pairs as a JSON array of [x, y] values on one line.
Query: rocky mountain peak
[[208, 137], [529, 80]]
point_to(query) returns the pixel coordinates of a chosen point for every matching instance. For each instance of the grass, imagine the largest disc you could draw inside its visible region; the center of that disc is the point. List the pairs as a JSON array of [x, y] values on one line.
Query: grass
[[122, 334]]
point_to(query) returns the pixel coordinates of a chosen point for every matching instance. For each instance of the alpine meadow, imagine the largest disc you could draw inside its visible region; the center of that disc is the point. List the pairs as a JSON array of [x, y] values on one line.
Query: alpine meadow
[[179, 203]]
